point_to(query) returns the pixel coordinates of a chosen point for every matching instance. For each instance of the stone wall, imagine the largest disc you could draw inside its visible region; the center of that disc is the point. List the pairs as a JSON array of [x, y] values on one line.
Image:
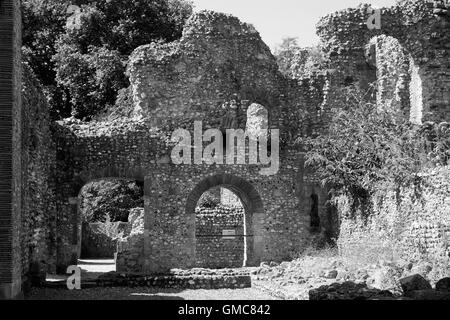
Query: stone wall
[[276, 222], [219, 63], [180, 279], [99, 150], [218, 59], [12, 163], [213, 249], [422, 30], [39, 216], [410, 223], [34, 225]]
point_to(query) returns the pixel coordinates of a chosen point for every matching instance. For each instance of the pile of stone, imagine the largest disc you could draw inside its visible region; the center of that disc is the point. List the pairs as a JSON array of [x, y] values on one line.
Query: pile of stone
[[417, 288], [348, 291], [414, 287]]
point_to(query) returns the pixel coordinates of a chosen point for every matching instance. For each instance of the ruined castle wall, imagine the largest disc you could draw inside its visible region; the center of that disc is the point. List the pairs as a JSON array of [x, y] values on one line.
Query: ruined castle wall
[[409, 223], [421, 28], [217, 57], [276, 222], [12, 169], [219, 63], [38, 233], [95, 243], [87, 152]]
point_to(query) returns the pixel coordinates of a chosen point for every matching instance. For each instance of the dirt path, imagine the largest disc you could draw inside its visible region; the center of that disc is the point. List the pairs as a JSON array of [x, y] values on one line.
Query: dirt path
[[91, 269], [148, 294]]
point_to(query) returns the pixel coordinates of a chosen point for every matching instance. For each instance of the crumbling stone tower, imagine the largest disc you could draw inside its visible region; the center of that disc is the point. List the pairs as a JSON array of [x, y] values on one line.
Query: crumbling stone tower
[[408, 57]]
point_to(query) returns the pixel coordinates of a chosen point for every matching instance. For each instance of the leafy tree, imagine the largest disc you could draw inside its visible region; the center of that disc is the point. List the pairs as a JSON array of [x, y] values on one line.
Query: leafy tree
[[110, 199], [61, 36], [296, 62], [208, 200], [365, 144], [92, 79]]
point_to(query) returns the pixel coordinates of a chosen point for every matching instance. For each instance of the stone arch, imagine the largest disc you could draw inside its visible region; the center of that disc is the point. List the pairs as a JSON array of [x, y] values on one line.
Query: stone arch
[[411, 23], [251, 201], [399, 78]]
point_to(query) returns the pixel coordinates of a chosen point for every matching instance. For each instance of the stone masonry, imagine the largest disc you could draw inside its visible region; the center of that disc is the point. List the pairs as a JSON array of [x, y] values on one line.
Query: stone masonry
[[221, 73]]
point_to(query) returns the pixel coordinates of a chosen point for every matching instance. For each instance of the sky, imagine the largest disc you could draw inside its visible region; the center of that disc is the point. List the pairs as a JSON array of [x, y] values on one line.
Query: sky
[[278, 19]]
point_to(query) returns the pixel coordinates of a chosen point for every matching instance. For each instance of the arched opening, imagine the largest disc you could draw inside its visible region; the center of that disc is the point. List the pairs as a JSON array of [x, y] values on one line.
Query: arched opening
[[104, 207], [239, 232], [257, 120], [399, 79], [220, 229]]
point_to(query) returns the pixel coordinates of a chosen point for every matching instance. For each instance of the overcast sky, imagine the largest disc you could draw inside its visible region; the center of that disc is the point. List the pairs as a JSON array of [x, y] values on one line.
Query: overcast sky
[[277, 19]]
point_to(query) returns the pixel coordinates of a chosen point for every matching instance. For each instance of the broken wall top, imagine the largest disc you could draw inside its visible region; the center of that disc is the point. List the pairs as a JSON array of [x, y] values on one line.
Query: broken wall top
[[217, 59]]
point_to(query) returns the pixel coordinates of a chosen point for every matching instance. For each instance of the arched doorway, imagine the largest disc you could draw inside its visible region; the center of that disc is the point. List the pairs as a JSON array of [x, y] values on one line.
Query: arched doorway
[[103, 207], [399, 78], [252, 206], [220, 231]]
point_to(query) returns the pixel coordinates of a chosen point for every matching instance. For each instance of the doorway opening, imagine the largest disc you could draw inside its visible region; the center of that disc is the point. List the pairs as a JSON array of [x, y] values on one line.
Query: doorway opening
[[220, 229]]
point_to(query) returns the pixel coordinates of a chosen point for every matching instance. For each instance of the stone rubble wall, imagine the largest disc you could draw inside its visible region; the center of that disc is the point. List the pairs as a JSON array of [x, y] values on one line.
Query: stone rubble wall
[[220, 59], [213, 250], [422, 30], [180, 279], [38, 230], [277, 224], [130, 254], [410, 223]]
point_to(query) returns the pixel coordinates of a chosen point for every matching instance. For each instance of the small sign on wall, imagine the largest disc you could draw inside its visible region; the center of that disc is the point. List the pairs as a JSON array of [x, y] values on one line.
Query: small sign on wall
[[228, 234]]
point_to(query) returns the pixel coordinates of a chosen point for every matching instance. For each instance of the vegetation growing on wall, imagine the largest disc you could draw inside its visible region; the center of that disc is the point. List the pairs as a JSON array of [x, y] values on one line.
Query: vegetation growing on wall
[[364, 145], [296, 62]]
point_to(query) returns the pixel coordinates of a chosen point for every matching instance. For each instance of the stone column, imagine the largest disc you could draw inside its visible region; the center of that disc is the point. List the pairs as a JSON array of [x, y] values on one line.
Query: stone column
[[10, 149]]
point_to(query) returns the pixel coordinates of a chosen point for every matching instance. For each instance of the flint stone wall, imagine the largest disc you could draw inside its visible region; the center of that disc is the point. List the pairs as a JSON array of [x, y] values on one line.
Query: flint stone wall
[[213, 250], [422, 30], [410, 223], [179, 279], [218, 62]]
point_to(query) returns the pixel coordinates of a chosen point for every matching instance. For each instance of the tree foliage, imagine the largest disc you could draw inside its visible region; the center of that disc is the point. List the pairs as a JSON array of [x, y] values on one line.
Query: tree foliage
[[296, 62], [366, 144], [110, 200], [209, 200], [79, 48]]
